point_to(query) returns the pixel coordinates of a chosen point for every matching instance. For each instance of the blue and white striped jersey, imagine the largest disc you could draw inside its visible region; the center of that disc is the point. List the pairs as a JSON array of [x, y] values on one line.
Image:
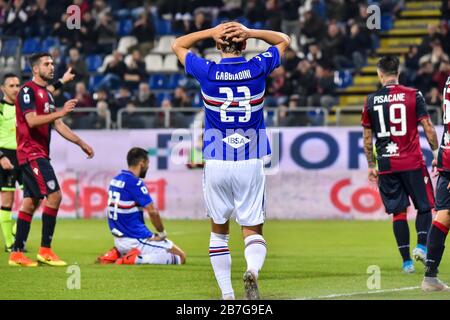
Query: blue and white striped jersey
[[233, 97], [127, 196]]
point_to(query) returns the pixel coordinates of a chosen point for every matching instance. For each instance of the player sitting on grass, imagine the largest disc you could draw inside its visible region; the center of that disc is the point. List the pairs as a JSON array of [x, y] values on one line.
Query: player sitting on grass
[[134, 242]]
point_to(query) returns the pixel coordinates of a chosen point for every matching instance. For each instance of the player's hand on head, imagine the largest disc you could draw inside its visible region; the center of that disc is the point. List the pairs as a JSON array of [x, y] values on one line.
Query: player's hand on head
[[69, 106], [237, 32]]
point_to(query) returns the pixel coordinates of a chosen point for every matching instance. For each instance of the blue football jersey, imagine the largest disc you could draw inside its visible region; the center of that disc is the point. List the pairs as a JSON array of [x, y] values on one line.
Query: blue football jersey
[[127, 196], [233, 97]]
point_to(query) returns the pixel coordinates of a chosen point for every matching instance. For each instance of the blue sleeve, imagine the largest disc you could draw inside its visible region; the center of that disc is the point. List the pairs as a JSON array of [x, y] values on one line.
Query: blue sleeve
[[26, 100], [269, 60], [196, 66], [140, 193]]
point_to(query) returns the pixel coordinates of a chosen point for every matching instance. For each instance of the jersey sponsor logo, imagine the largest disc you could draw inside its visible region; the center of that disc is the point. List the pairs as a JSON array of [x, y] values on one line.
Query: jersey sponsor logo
[[391, 150], [389, 98], [236, 140]]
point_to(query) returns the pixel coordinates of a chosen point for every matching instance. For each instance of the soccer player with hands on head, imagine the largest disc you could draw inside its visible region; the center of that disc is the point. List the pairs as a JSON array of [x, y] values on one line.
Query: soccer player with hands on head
[[235, 142]]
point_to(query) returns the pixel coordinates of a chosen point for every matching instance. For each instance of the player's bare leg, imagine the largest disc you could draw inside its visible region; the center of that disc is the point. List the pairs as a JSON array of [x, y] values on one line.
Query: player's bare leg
[[220, 257], [255, 254], [435, 250], [49, 213], [24, 218], [6, 221]]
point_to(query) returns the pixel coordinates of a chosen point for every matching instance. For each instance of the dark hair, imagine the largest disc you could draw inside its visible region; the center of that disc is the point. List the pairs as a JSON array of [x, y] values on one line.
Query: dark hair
[[135, 155], [389, 65], [34, 58], [9, 75], [232, 47]]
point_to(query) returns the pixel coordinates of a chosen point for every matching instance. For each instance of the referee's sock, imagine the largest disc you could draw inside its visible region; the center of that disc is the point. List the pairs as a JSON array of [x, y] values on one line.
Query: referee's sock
[[423, 225], [435, 248], [48, 226], [7, 225], [401, 232], [23, 229]]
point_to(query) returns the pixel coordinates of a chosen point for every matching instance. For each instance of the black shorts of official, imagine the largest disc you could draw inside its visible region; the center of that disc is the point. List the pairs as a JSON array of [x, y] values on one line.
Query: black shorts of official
[[442, 193], [39, 179], [396, 189], [10, 178]]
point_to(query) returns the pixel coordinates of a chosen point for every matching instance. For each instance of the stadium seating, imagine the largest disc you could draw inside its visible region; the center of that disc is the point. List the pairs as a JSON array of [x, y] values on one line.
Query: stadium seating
[[163, 27], [94, 62], [158, 81], [48, 43], [124, 27], [9, 47], [31, 45], [170, 63], [164, 45], [153, 62], [125, 43]]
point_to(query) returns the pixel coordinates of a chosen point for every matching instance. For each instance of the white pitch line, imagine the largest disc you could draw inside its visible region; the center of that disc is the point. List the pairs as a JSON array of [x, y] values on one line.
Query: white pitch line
[[332, 296]]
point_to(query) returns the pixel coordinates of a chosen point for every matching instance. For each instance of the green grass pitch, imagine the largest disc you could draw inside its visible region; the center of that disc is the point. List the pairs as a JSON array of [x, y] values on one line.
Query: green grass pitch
[[306, 259]]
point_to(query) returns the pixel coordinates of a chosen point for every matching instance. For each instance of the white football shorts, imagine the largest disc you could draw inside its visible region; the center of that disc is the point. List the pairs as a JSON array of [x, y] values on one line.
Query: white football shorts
[[144, 245], [235, 187]]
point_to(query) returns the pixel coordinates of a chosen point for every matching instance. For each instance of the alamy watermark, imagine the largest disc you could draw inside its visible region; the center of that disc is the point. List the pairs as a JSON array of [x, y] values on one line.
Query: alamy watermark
[[374, 19], [74, 279], [73, 17], [374, 280]]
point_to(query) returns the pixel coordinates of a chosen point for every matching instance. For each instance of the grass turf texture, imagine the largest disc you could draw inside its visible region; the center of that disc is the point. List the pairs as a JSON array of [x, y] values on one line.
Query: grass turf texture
[[306, 259]]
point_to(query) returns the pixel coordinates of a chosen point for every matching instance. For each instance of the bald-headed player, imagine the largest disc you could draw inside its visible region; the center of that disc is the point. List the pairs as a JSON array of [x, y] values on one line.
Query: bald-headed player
[[36, 115]]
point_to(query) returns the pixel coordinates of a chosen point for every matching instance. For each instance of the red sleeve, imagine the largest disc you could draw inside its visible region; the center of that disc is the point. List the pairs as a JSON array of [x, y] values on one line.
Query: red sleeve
[[365, 119]]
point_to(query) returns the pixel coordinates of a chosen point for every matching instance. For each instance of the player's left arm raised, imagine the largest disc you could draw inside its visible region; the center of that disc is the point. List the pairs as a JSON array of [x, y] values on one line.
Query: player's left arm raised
[[69, 135]]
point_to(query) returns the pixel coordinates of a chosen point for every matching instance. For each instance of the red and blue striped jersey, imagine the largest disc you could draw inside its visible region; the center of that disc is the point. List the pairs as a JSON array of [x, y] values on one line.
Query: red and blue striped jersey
[[233, 98], [127, 196]]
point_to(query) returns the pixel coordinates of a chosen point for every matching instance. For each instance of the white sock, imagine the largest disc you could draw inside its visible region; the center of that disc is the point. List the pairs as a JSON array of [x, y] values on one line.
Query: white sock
[[220, 257], [255, 252]]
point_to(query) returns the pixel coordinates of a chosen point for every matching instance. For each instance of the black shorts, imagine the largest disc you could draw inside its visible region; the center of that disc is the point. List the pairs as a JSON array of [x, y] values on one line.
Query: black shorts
[[9, 178], [396, 189], [442, 193], [39, 179]]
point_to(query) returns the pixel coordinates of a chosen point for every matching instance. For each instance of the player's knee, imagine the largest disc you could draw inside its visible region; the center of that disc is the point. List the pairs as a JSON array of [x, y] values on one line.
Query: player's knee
[[54, 199]]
